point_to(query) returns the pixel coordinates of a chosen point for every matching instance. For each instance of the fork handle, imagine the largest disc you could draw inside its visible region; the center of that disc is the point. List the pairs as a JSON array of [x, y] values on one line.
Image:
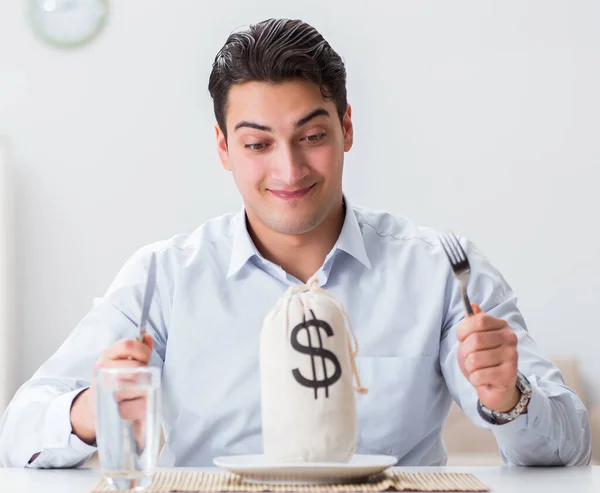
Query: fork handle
[[465, 297]]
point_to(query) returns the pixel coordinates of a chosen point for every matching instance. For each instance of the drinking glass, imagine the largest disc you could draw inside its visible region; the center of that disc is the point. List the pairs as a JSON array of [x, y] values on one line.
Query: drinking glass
[[127, 425]]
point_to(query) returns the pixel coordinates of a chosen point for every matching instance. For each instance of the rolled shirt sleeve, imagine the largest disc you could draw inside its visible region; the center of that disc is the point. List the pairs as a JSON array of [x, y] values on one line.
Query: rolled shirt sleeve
[[555, 430], [37, 420]]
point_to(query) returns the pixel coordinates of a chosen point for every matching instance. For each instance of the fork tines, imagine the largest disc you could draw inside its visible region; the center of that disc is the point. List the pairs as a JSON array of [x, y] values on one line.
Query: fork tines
[[454, 251]]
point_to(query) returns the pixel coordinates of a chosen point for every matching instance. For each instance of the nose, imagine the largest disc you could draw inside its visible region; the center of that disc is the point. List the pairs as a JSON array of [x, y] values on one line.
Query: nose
[[289, 167]]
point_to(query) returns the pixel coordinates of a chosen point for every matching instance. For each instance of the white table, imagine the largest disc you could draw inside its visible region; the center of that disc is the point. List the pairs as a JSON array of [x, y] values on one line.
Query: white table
[[498, 479]]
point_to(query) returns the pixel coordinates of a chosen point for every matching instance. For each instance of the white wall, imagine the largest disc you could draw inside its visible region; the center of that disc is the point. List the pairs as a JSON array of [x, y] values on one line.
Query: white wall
[[7, 285], [479, 116]]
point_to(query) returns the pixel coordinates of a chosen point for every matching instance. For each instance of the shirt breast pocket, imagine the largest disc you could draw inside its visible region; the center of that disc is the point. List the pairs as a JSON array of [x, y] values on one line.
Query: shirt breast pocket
[[393, 415]]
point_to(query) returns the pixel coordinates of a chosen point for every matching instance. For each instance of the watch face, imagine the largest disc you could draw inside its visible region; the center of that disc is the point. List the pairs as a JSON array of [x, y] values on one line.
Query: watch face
[[523, 384], [68, 22]]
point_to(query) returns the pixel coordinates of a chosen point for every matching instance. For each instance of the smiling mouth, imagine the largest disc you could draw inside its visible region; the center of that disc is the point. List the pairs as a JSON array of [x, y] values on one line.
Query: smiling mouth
[[294, 194]]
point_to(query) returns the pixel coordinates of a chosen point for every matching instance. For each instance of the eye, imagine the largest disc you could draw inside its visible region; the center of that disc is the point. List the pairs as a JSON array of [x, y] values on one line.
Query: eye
[[259, 146], [315, 137]]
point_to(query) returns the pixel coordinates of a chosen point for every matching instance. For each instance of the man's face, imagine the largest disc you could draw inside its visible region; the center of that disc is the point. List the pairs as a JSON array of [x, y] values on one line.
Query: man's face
[[285, 147]]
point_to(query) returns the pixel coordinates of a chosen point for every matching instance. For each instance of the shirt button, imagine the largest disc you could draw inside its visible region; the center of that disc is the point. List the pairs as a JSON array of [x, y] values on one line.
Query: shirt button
[[522, 432]]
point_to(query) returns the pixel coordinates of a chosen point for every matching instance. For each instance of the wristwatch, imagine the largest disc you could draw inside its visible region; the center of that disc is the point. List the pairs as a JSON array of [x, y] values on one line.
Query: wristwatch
[[496, 417]]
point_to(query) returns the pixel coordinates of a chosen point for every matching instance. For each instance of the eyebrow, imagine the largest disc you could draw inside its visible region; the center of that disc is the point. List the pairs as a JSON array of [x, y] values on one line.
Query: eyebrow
[[303, 121], [310, 116]]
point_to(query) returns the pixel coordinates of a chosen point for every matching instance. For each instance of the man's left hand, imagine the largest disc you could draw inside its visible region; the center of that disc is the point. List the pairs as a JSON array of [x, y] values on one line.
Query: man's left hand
[[487, 356]]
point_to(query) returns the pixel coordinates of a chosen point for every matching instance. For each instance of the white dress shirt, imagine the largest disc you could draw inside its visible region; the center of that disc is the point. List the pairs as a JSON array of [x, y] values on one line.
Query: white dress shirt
[[213, 291]]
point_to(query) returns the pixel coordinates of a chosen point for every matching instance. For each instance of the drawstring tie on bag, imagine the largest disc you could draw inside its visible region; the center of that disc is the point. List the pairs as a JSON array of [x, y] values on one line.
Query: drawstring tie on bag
[[312, 285]]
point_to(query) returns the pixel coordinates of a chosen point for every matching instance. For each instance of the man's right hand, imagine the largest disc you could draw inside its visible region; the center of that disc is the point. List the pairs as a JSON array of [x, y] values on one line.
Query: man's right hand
[[127, 353]]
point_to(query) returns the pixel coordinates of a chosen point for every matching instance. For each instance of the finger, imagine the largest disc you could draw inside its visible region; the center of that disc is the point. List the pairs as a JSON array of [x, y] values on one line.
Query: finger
[[116, 363], [139, 431], [478, 341], [476, 308], [128, 394], [128, 348], [119, 363], [490, 358], [134, 409], [502, 376], [480, 322], [149, 341]]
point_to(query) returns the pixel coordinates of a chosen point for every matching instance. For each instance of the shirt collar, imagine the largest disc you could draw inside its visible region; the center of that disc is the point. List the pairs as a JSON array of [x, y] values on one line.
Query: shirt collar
[[243, 249], [351, 239]]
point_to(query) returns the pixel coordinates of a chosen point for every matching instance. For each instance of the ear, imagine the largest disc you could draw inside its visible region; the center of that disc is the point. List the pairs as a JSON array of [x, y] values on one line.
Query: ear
[[348, 129], [222, 147]]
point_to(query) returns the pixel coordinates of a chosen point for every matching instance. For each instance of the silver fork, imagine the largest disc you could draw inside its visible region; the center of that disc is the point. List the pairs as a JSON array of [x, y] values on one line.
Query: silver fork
[[460, 264]]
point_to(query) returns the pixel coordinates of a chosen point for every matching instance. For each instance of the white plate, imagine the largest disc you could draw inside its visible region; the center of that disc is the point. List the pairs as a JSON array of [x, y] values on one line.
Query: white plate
[[254, 468]]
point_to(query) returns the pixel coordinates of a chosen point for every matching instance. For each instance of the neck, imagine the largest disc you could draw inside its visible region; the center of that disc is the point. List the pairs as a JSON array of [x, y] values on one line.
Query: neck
[[299, 255]]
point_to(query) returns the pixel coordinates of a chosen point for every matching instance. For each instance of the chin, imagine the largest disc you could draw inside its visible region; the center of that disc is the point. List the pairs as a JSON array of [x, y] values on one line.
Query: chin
[[294, 226], [291, 219]]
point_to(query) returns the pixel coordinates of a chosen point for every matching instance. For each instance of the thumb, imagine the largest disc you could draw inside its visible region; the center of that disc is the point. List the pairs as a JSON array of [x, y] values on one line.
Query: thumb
[[148, 341], [476, 308]]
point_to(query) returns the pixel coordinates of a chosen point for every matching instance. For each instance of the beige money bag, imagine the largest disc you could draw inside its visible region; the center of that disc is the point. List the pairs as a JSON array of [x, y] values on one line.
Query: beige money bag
[[307, 368]]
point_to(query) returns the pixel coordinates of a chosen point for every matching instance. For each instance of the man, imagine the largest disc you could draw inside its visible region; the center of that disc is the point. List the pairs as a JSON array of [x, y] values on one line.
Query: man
[[283, 126]]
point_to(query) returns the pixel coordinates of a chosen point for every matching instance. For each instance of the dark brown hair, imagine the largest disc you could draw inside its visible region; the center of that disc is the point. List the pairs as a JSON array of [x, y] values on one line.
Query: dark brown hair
[[273, 51]]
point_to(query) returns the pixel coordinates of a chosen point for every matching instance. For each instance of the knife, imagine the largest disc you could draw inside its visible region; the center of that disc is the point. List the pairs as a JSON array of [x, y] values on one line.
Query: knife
[[150, 284]]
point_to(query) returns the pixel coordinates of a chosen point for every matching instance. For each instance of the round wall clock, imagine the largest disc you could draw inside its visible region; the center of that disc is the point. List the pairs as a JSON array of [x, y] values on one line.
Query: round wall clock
[[68, 22]]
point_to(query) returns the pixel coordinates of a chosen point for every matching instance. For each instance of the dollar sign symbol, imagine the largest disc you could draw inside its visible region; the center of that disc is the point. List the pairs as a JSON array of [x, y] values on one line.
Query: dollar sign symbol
[[315, 352]]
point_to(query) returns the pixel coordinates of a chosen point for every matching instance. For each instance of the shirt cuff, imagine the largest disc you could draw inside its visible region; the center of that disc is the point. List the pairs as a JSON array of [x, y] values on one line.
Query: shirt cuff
[[60, 446], [532, 424]]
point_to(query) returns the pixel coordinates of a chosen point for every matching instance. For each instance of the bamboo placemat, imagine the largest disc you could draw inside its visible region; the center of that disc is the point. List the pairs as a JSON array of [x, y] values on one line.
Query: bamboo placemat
[[391, 480]]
